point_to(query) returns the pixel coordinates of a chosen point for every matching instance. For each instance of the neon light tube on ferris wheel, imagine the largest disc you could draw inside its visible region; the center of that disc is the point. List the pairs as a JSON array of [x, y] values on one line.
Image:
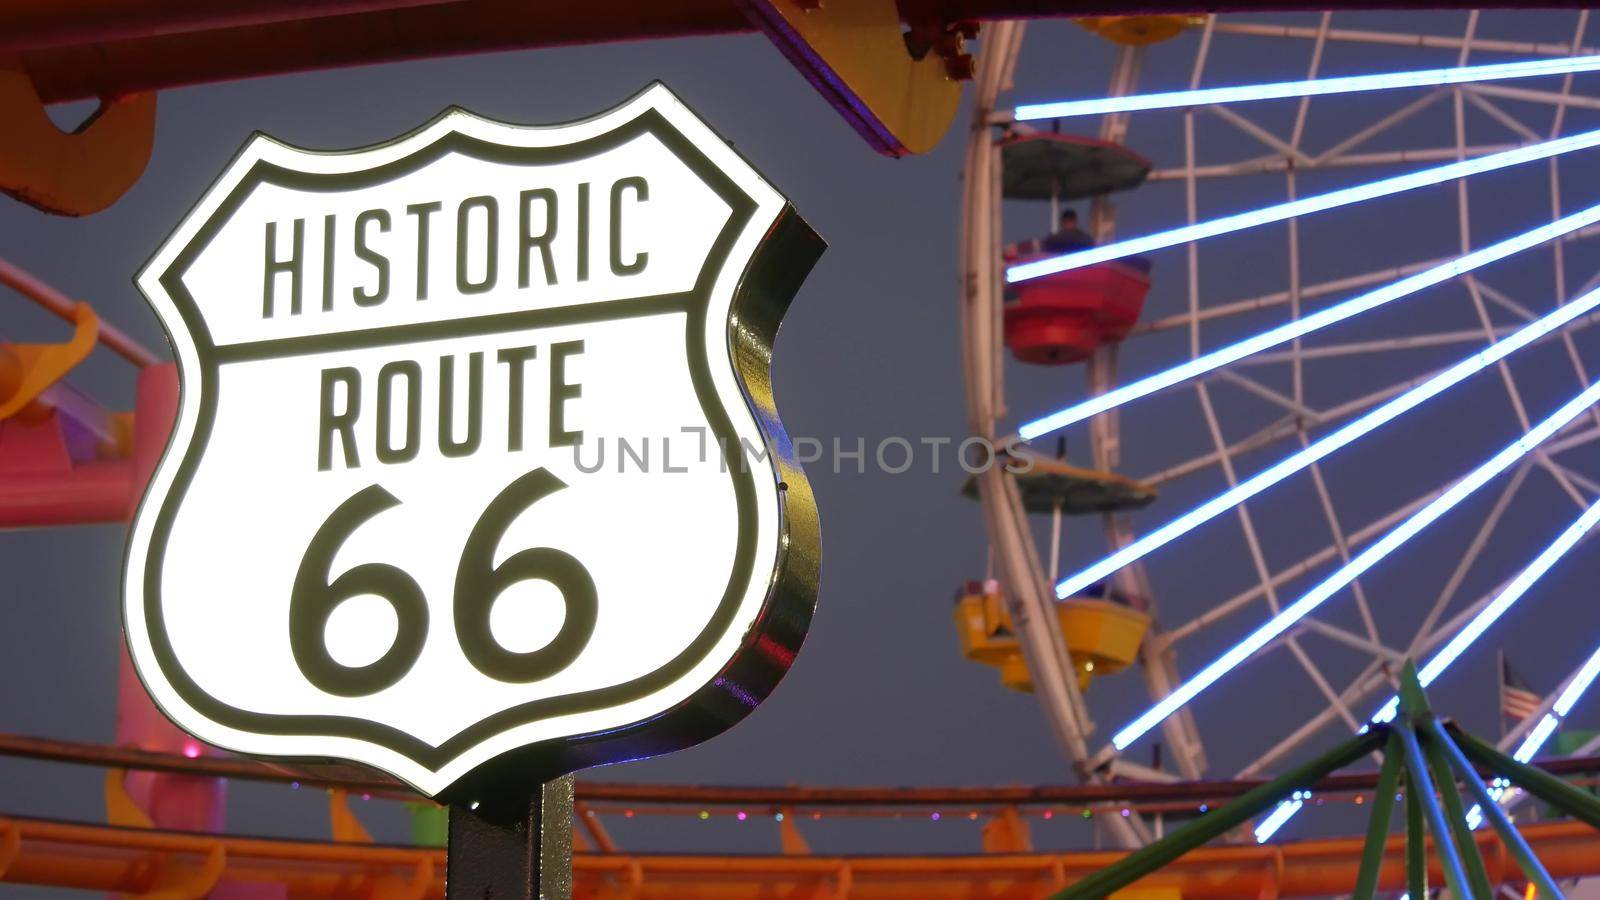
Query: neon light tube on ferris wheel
[[1282, 814], [1498, 607], [1301, 327], [1327, 445], [1391, 541], [1306, 206], [1316, 87], [1464, 638], [1541, 733], [1568, 698], [1570, 695], [1531, 744]]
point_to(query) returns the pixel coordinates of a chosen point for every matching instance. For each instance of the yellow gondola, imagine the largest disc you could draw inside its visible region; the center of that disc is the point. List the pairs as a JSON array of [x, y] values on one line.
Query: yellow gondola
[[1102, 636], [1140, 31]]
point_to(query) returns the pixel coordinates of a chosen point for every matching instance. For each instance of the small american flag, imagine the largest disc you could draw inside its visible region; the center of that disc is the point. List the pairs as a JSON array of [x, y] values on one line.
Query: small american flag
[[1517, 700]]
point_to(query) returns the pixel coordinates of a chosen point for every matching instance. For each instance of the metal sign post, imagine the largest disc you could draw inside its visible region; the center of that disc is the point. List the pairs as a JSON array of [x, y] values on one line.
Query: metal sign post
[[477, 476], [524, 857]]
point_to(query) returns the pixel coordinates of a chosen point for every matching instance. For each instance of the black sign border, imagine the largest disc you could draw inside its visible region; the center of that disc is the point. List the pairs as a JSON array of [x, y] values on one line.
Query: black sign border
[[776, 268]]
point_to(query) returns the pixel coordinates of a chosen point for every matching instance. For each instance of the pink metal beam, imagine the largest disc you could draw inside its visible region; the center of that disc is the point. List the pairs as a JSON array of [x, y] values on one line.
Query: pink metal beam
[[42, 484], [115, 340]]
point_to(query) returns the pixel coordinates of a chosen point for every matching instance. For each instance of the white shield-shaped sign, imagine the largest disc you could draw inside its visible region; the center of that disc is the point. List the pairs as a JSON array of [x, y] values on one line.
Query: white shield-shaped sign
[[476, 474]]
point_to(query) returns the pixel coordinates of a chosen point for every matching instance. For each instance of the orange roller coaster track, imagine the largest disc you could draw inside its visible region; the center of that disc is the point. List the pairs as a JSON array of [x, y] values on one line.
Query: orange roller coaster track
[[106, 858], [141, 860]]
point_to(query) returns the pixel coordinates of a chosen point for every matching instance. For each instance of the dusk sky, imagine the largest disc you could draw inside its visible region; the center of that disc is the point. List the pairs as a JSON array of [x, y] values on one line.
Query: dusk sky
[[880, 694]]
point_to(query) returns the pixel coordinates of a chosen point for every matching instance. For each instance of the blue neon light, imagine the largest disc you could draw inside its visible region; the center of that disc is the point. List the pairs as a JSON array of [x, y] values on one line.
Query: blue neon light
[[1283, 334], [1574, 691], [1325, 446], [1314, 88], [1474, 629], [1536, 738], [1279, 816], [1499, 606], [1306, 206], [1368, 558]]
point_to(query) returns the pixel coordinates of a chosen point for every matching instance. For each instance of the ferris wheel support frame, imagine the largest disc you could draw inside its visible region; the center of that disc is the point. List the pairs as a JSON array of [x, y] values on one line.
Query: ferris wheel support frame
[[1007, 523], [1427, 636], [1029, 595]]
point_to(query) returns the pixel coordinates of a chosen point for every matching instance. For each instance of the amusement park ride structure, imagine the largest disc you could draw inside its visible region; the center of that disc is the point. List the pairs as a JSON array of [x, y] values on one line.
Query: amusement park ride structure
[[896, 73], [1064, 289]]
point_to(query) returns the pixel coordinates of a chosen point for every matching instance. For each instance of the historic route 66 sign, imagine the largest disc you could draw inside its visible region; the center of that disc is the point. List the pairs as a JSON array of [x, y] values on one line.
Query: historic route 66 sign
[[477, 473]]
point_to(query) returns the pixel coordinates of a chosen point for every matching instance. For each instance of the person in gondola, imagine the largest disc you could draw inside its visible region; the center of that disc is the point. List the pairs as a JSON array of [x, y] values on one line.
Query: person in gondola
[[1068, 236]]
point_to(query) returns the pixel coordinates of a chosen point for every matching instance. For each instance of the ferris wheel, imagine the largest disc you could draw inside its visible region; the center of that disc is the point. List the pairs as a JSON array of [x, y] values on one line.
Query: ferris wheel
[[1303, 393]]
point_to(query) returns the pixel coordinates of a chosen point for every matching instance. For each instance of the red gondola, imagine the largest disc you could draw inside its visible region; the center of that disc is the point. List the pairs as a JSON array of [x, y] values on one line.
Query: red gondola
[[1063, 318]]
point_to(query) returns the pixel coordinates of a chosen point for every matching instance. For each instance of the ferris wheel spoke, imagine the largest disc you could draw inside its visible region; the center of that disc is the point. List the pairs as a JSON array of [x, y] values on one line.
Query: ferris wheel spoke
[[1276, 398], [1282, 429], [1269, 583], [1558, 255], [1301, 567], [1496, 112], [1468, 559], [1278, 163], [1408, 342], [1518, 587], [1280, 298], [1370, 679], [1330, 586], [1382, 125], [1550, 98], [1248, 127], [1574, 440], [1287, 332], [1258, 557], [1505, 301], [1565, 475], [1327, 288], [1291, 425], [1474, 289], [1342, 545], [1313, 69], [1361, 193], [1405, 40], [1373, 677], [1315, 87], [1351, 639], [1321, 682], [1328, 445]]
